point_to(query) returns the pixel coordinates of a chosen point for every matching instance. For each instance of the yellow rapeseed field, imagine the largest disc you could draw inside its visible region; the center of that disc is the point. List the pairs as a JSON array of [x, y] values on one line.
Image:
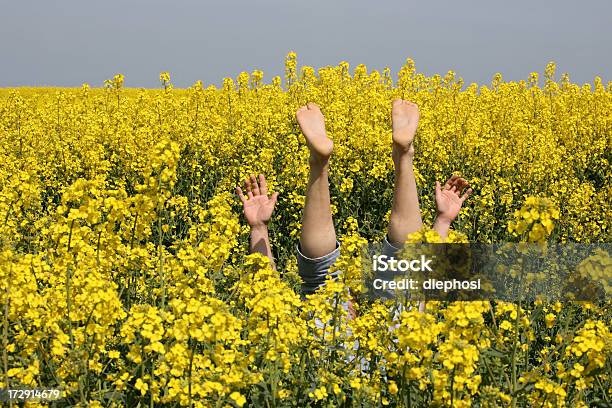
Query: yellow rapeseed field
[[125, 278]]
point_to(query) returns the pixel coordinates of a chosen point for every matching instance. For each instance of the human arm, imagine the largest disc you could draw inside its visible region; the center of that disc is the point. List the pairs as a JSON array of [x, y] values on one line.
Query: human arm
[[258, 207], [449, 199]]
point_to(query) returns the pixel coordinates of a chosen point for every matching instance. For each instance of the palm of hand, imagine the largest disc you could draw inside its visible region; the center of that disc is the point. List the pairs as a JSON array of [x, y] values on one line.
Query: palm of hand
[[258, 210], [449, 198], [258, 207], [449, 203]]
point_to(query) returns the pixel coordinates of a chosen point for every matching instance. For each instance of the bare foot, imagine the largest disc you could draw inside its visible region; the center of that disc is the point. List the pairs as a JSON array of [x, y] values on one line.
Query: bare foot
[[405, 116], [312, 123]]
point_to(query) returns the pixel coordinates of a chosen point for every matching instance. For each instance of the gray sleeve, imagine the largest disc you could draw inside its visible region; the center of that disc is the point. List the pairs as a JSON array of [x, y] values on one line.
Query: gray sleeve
[[389, 249], [313, 271]]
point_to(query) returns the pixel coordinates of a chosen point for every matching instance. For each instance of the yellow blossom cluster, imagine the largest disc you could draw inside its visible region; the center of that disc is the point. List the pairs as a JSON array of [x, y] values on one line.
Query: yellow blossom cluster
[[536, 216]]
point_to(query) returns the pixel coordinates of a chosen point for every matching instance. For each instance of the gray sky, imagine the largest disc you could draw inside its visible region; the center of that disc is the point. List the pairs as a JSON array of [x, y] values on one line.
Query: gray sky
[[68, 42]]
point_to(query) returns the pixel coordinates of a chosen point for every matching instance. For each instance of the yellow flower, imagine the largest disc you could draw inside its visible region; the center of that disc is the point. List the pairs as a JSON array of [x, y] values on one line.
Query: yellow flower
[[238, 398], [550, 320], [393, 387], [141, 386]]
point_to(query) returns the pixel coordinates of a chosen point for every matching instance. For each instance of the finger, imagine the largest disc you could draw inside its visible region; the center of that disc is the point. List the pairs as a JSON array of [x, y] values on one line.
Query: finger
[[247, 185], [274, 198], [301, 109], [457, 184], [466, 194], [396, 102], [312, 106], [254, 185], [240, 195], [453, 189], [449, 182], [263, 185], [438, 187], [461, 183]]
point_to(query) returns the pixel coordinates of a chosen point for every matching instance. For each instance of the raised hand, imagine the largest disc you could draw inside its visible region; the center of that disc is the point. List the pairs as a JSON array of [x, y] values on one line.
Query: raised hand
[[257, 206], [450, 198]]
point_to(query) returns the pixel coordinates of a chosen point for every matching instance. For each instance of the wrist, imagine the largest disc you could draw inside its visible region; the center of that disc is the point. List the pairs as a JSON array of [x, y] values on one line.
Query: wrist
[[260, 226], [442, 225], [442, 219]]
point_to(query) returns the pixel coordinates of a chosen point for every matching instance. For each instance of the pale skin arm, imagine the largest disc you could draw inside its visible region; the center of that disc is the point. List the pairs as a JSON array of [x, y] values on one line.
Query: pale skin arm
[[449, 200], [258, 208]]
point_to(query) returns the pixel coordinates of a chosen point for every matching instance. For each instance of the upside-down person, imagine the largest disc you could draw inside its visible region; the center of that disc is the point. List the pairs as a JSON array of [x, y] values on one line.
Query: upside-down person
[[318, 247]]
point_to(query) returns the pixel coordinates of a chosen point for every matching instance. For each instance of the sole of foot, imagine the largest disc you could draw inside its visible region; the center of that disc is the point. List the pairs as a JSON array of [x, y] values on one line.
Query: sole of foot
[[405, 116], [311, 121]]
